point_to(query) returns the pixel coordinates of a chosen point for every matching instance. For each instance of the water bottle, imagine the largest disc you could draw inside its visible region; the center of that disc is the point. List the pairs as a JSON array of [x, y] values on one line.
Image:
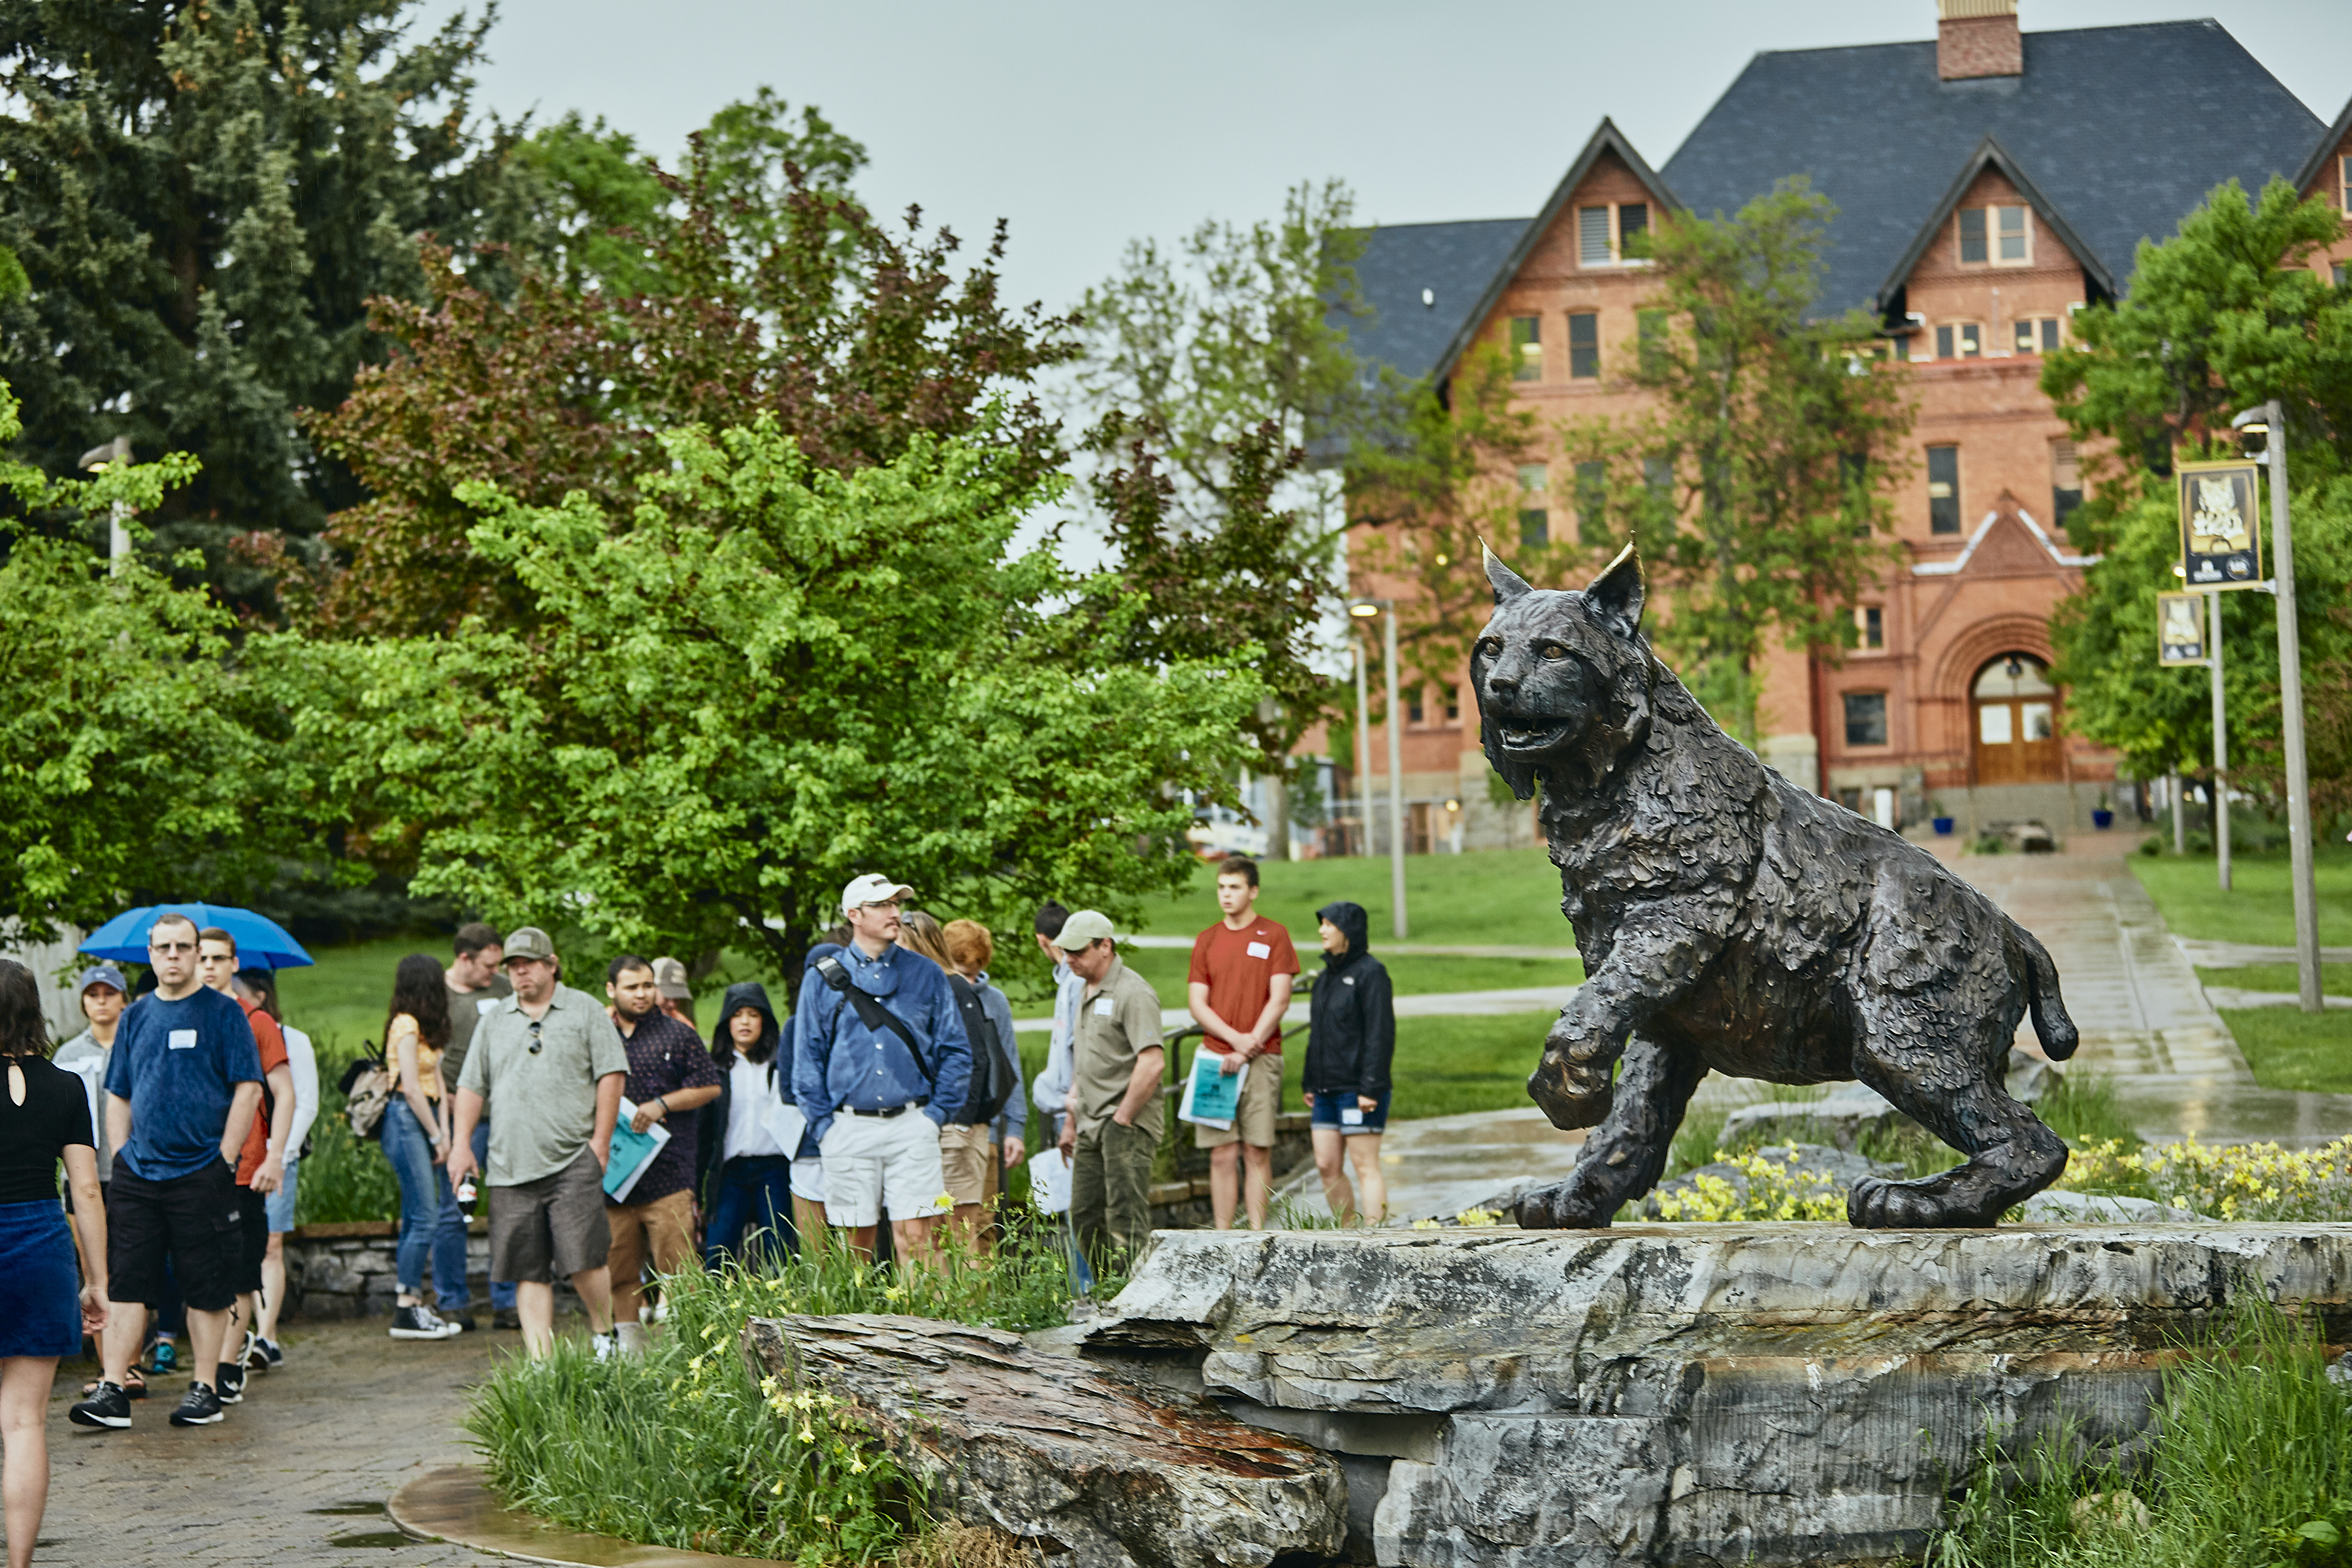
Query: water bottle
[[466, 1191]]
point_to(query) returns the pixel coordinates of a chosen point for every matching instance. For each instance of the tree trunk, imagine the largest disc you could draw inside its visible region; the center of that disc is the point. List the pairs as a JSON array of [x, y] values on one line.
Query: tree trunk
[[1277, 817]]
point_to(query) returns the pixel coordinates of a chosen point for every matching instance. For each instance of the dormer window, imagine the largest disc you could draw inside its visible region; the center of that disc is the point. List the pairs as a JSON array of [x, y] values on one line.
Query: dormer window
[[1996, 237], [1961, 340], [1527, 348], [1602, 231]]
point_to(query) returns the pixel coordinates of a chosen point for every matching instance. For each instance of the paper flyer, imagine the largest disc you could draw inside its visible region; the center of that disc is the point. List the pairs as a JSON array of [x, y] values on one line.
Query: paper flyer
[[1049, 1181], [1212, 1097], [632, 1153]]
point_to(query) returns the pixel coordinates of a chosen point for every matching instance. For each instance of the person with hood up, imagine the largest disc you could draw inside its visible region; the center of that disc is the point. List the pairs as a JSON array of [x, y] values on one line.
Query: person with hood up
[[1350, 1038], [750, 1133]]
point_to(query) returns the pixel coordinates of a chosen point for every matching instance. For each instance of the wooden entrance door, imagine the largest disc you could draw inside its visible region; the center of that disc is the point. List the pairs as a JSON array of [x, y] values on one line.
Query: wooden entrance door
[[2016, 730]]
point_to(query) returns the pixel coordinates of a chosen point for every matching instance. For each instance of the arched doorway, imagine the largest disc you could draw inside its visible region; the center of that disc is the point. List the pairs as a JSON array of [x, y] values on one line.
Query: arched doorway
[[2016, 722]]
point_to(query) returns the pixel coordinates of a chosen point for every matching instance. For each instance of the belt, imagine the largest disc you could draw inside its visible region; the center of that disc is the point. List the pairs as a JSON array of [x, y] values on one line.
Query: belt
[[894, 1110]]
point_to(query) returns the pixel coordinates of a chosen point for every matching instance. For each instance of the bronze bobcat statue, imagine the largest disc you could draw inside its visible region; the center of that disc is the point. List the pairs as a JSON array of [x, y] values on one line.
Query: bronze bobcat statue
[[1732, 921]]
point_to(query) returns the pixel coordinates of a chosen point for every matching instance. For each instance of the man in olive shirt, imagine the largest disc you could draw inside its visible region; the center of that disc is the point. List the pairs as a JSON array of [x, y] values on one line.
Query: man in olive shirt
[[552, 1058], [1115, 1121]]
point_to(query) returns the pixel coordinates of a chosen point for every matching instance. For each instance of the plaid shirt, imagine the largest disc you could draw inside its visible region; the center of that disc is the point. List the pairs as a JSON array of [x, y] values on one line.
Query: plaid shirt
[[665, 1057]]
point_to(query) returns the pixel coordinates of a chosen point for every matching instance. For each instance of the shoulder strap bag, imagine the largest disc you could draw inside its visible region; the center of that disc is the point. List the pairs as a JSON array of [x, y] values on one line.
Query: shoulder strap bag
[[872, 1014]]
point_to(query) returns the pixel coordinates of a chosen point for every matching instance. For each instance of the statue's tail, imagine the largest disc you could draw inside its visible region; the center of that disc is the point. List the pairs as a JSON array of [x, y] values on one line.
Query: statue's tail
[[2052, 1027]]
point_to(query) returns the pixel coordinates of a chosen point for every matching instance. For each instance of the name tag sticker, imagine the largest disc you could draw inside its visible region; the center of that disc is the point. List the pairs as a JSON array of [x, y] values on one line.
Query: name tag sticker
[[1260, 950], [1353, 1117], [183, 1041], [482, 1007], [1103, 1008]]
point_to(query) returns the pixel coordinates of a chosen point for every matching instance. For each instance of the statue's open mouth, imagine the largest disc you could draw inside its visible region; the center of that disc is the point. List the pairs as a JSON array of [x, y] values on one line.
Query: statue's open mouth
[[1518, 737]]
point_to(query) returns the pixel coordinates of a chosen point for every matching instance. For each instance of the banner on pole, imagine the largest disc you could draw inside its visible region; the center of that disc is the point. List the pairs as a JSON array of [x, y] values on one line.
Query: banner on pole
[[2179, 628], [2220, 545]]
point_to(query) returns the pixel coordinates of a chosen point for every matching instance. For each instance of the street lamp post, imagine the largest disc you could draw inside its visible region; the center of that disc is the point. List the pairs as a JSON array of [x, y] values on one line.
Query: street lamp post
[[2221, 743], [1365, 609], [1363, 749], [97, 460], [2263, 432]]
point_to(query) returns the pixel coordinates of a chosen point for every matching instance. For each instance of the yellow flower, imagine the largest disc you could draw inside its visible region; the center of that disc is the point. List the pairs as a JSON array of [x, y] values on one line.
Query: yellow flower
[[778, 1489], [808, 1435]]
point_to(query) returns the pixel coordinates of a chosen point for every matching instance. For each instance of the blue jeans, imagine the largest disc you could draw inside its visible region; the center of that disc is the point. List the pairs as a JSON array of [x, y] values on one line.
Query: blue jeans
[[409, 1149], [449, 1288], [754, 1193]]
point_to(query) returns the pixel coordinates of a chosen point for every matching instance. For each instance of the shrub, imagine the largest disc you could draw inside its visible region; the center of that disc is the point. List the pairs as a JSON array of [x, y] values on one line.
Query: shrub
[[2233, 1181]]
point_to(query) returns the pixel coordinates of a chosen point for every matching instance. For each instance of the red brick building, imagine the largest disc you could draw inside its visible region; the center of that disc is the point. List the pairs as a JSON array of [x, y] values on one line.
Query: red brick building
[[1990, 185]]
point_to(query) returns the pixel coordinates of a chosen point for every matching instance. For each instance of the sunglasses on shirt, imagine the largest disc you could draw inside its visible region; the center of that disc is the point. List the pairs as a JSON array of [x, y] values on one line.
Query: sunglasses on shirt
[[535, 1040]]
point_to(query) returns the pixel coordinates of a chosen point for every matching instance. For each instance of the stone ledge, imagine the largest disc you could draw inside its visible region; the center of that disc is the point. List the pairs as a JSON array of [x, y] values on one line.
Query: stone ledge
[[1782, 1393]]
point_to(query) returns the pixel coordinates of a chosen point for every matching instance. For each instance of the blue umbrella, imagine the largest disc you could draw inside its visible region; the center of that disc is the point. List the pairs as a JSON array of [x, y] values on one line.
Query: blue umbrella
[[261, 943]]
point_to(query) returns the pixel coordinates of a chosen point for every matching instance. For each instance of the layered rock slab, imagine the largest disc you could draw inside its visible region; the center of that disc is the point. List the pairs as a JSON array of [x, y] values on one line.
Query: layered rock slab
[[1777, 1393], [1092, 1467]]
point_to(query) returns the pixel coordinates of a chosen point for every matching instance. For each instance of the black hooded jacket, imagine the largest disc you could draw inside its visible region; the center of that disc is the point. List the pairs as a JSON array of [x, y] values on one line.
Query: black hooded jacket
[[711, 1131], [1351, 1027]]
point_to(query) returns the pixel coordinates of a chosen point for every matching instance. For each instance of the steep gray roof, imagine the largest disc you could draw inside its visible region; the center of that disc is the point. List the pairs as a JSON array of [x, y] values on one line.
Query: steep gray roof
[[2123, 130], [1455, 263]]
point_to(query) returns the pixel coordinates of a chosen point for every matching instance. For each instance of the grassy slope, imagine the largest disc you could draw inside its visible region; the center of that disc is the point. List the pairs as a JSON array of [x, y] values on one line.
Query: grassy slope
[[2289, 1048], [2335, 979], [2260, 909], [1502, 897]]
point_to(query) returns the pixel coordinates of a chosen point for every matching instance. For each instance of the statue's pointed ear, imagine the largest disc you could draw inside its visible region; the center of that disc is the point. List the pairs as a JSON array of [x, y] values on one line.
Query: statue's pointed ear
[[1508, 584], [1615, 596]]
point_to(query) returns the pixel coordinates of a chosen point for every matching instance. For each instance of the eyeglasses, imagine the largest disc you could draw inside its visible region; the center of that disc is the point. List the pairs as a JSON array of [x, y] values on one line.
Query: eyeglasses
[[170, 947], [890, 904], [535, 1040]]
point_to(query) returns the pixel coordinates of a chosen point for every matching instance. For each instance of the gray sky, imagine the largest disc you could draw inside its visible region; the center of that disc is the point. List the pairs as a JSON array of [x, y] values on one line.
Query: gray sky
[[1086, 125]]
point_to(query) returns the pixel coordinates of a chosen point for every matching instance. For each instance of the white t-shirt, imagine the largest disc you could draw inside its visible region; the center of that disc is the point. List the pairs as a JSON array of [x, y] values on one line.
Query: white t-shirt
[[752, 1089]]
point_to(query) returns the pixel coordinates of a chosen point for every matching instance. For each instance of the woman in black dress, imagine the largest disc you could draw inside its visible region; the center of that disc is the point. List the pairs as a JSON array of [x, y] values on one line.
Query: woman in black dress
[[44, 1116]]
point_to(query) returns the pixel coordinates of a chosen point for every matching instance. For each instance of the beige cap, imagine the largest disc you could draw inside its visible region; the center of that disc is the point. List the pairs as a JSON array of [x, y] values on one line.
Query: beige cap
[[529, 941], [1083, 929], [669, 979], [871, 888]]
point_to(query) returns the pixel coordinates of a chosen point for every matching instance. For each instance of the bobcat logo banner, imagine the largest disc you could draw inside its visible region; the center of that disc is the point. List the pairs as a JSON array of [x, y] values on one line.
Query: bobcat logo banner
[[2220, 547], [2179, 628]]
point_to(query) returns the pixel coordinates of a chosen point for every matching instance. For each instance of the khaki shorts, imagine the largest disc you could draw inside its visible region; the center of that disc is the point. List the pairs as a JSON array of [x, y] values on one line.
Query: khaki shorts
[[1254, 1125], [965, 1154], [554, 1225], [660, 1233]]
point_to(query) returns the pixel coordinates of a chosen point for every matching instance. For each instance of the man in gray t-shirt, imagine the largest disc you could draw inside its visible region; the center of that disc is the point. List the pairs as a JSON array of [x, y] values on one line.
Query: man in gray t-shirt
[[553, 1062]]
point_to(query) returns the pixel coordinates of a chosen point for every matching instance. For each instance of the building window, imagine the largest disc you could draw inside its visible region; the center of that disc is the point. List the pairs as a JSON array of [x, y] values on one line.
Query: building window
[[1592, 503], [1869, 627], [1962, 340], [1633, 219], [1658, 494], [1943, 489], [1412, 706], [2012, 237], [2066, 481], [2002, 236], [1584, 346], [1453, 705], [1527, 348], [2344, 180], [1649, 332], [2037, 336], [1865, 718], [1592, 248], [1535, 522]]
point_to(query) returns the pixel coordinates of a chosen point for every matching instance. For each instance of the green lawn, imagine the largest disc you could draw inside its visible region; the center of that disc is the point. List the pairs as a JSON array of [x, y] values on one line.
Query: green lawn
[[340, 1001], [2289, 1048], [1413, 974], [2260, 909], [1501, 897], [2335, 979]]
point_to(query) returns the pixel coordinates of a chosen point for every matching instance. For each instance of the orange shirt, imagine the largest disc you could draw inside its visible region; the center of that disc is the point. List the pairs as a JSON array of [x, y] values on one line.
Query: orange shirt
[[1238, 967], [272, 1041]]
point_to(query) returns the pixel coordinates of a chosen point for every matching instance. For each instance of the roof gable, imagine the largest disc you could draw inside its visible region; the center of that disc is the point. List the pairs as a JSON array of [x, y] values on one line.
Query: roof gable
[[1606, 138], [2126, 129], [1420, 281], [1989, 156], [2333, 138]]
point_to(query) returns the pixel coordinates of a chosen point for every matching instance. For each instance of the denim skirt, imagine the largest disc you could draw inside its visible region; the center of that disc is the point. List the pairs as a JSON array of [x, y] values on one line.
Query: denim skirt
[[40, 1286]]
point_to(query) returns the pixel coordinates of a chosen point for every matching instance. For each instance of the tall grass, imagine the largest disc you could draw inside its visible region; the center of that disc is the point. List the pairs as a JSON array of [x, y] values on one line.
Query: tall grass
[[2248, 1465], [685, 1447]]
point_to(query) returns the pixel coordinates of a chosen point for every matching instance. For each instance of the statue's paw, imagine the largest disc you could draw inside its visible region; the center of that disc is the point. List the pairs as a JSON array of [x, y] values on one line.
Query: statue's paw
[[1572, 1094], [1872, 1203], [1560, 1208]]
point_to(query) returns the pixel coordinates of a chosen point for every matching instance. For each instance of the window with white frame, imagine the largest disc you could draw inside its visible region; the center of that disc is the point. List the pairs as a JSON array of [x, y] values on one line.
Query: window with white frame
[[1997, 235], [1603, 232]]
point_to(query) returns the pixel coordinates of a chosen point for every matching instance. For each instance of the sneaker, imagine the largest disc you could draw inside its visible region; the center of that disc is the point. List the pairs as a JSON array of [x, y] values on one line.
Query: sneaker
[[631, 1338], [165, 1357], [200, 1407], [106, 1407], [254, 1360], [228, 1382], [464, 1321], [506, 1318], [266, 1354], [419, 1323], [605, 1346]]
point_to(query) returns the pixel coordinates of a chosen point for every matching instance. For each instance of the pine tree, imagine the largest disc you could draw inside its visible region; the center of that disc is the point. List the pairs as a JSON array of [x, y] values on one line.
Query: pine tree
[[204, 197]]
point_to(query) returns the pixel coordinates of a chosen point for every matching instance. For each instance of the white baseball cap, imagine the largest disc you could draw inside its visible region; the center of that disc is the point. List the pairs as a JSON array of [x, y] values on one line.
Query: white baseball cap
[[871, 888]]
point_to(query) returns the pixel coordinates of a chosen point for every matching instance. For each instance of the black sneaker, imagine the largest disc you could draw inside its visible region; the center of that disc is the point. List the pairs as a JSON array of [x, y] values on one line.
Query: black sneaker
[[201, 1407], [419, 1323], [505, 1318], [463, 1321], [228, 1382], [107, 1408], [268, 1353]]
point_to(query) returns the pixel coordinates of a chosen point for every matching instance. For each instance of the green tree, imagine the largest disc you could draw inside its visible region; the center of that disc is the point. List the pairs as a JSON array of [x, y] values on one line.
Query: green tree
[[775, 675], [859, 338], [134, 763], [2227, 313], [1763, 468], [204, 198]]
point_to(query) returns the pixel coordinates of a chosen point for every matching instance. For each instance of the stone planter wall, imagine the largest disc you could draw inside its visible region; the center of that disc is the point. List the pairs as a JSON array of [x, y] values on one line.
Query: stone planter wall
[[348, 1271]]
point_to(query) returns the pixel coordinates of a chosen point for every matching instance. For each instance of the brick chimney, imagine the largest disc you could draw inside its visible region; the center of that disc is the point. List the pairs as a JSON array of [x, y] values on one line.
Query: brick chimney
[[1978, 39]]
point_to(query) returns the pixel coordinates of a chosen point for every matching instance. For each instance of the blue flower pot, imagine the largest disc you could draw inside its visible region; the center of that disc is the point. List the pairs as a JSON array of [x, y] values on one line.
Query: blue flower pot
[[2102, 820], [1943, 828]]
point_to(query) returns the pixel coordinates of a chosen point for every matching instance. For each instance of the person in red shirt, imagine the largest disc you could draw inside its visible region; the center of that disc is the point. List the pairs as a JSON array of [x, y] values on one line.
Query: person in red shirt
[[260, 1167], [1240, 981]]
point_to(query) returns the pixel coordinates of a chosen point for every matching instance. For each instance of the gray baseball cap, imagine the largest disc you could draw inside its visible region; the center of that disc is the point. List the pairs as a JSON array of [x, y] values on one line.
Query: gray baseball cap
[[529, 941], [669, 979], [101, 974]]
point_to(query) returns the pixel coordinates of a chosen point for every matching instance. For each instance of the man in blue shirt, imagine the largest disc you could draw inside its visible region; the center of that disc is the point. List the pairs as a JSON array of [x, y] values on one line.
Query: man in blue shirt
[[182, 1087], [874, 1108]]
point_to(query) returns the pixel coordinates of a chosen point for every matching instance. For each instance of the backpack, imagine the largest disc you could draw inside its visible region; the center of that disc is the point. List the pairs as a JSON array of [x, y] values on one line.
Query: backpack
[[991, 1083], [367, 1088]]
